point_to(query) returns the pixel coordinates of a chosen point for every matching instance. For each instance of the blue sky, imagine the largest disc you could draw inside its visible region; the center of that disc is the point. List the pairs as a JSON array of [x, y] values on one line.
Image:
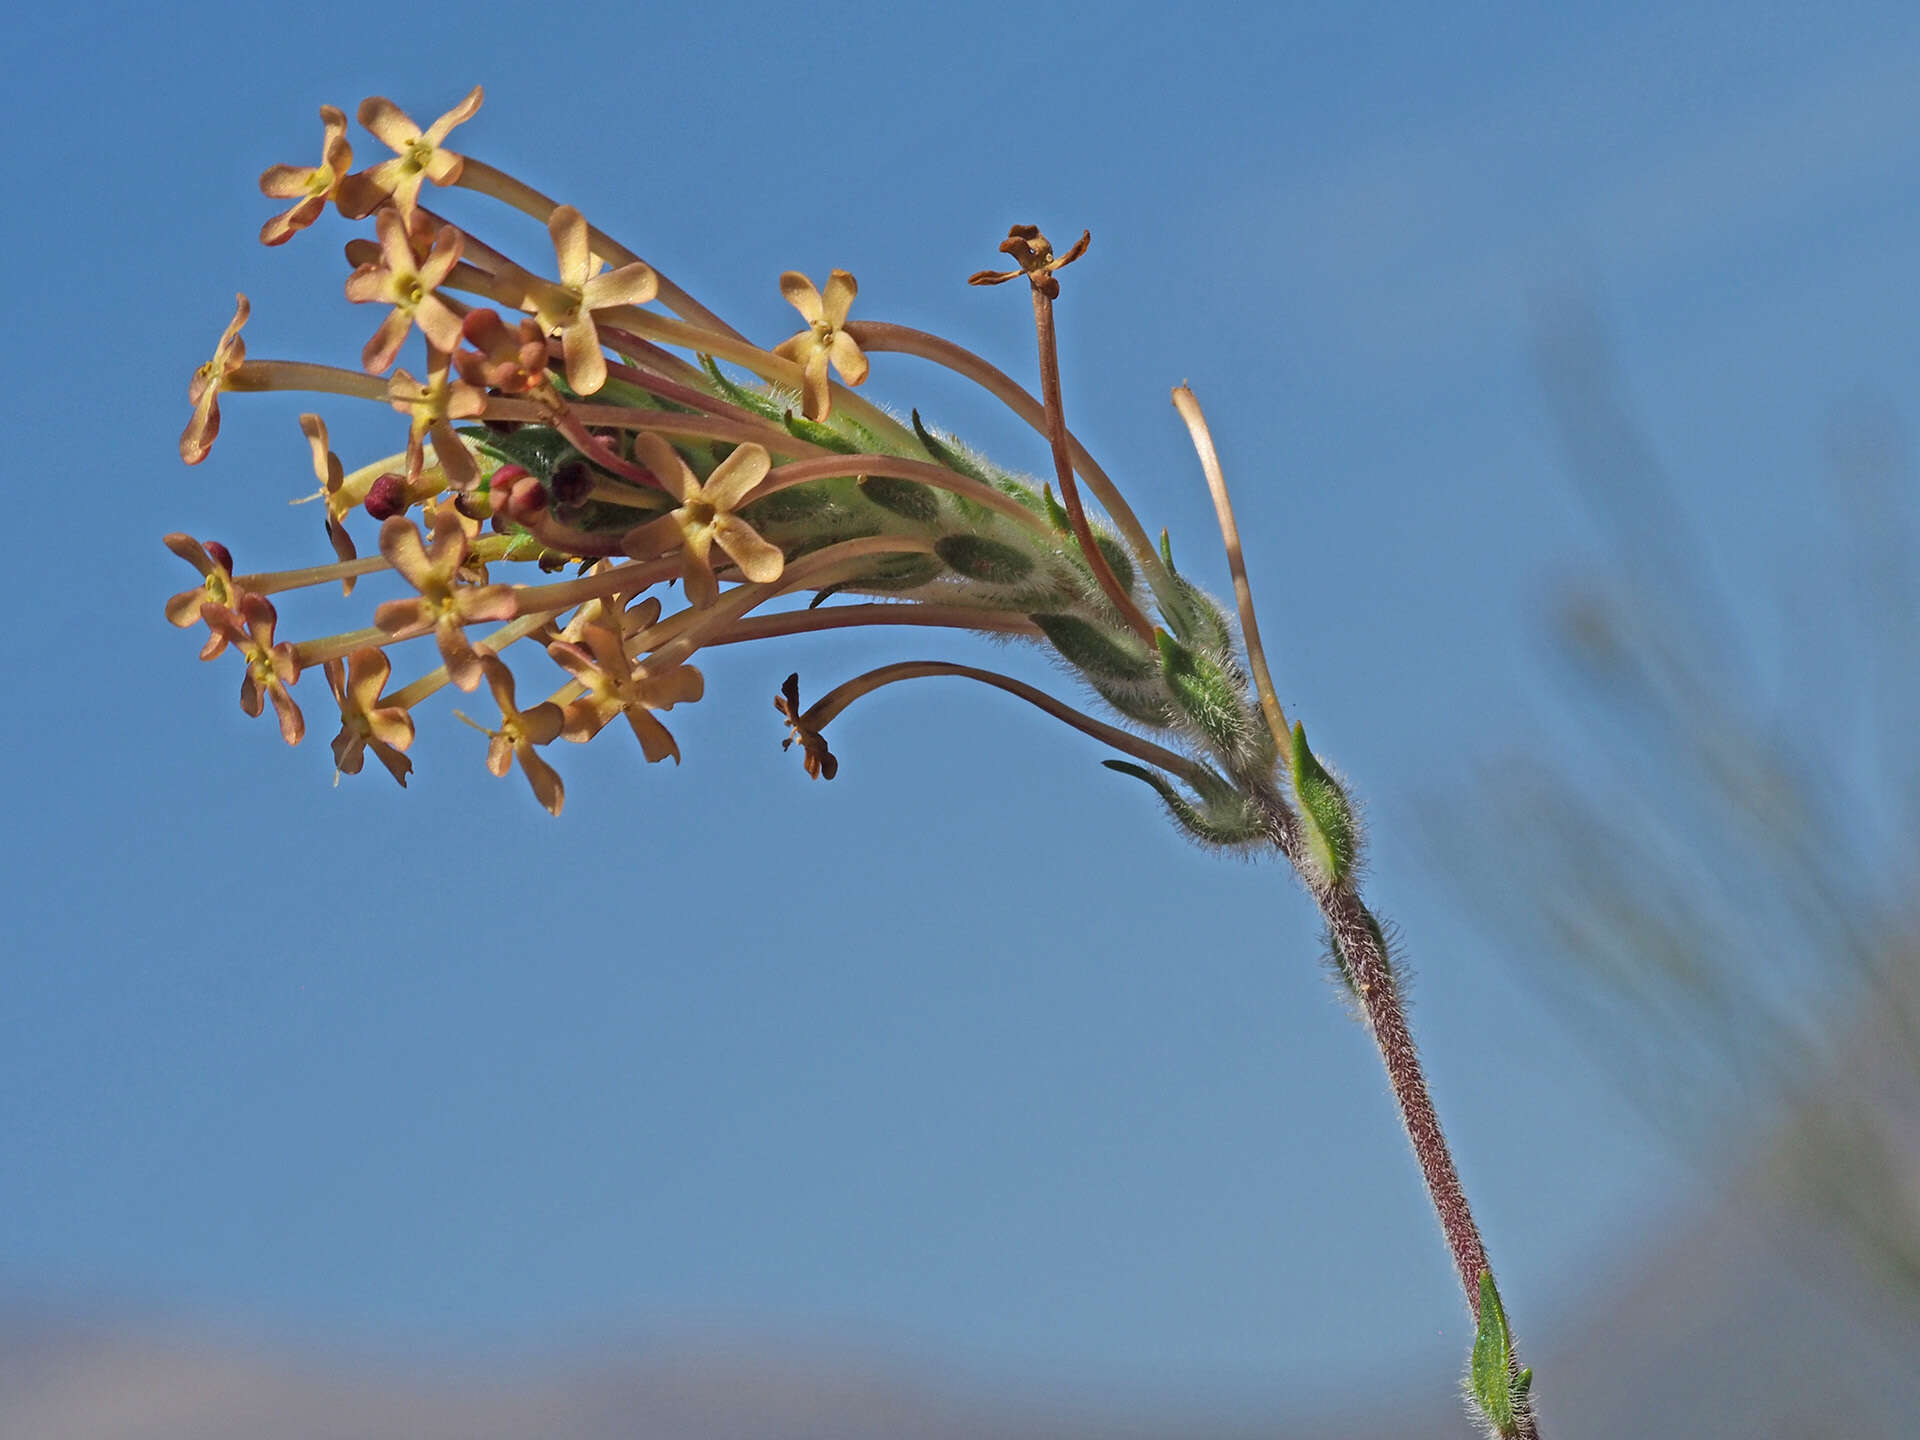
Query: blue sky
[[965, 1056]]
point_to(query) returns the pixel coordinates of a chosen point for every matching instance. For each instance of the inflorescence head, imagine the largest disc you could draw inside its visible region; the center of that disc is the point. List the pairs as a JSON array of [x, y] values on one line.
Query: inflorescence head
[[574, 443]]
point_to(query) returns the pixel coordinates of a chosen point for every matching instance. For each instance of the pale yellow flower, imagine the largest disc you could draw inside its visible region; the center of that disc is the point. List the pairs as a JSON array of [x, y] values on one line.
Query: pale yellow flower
[[824, 341]]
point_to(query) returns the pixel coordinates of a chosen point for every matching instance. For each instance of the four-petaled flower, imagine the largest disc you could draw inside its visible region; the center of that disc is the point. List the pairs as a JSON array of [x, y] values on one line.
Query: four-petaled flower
[[434, 406], [567, 309], [271, 668], [332, 476], [824, 340], [705, 518], [616, 685], [364, 722], [417, 157], [520, 731], [310, 187], [215, 564], [443, 605], [398, 278], [203, 391], [1033, 252], [817, 758]]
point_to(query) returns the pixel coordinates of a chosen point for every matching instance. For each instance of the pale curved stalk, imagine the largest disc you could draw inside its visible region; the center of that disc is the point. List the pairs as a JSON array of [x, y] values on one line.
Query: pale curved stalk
[[839, 617], [437, 679], [822, 712], [880, 335], [479, 176], [895, 467], [272, 582], [1188, 405]]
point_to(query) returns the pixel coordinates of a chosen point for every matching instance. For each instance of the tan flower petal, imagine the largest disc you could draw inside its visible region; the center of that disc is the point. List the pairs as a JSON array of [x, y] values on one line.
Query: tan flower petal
[[847, 358], [801, 294], [734, 478], [568, 227], [841, 288], [666, 466], [401, 545], [758, 559], [629, 285], [547, 788]]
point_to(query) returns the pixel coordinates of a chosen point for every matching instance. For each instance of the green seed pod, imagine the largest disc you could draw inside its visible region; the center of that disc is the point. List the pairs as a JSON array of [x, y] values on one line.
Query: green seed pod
[[795, 505], [906, 498], [978, 558], [1210, 697], [1111, 654], [1501, 1396], [1327, 822], [1118, 561], [1225, 818], [1144, 703]]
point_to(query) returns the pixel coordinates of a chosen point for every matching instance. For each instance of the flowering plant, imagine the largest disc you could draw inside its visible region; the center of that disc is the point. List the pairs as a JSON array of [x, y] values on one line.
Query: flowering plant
[[576, 431]]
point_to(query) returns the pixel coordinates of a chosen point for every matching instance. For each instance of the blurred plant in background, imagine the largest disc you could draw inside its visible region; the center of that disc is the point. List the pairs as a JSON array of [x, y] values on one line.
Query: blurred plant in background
[[1719, 891]]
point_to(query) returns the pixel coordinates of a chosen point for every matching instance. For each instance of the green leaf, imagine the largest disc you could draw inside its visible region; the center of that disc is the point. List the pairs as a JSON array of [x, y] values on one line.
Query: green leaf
[[1224, 817], [1326, 817], [1056, 512], [814, 433], [537, 449], [964, 463], [1489, 1370], [749, 400]]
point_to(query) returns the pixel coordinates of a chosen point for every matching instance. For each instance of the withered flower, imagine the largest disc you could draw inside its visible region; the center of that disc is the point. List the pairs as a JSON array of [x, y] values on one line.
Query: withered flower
[[567, 309], [203, 391], [309, 187], [364, 722], [444, 605], [406, 283], [1033, 252], [417, 157], [816, 757], [705, 518], [271, 668], [520, 731], [824, 340]]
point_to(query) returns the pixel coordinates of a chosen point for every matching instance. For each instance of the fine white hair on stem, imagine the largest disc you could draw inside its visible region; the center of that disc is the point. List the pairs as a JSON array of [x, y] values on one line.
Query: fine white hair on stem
[[1188, 404]]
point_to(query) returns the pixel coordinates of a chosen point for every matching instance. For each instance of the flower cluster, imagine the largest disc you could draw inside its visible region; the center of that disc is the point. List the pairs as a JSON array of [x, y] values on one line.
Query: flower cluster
[[579, 420], [573, 443]]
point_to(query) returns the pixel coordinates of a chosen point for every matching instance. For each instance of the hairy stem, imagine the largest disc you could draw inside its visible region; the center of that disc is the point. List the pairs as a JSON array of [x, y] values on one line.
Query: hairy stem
[[1354, 932]]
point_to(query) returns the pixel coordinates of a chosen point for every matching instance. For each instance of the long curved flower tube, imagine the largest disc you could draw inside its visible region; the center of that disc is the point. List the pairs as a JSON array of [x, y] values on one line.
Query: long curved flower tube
[[568, 422]]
